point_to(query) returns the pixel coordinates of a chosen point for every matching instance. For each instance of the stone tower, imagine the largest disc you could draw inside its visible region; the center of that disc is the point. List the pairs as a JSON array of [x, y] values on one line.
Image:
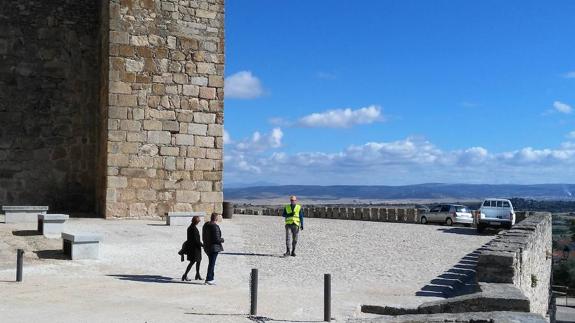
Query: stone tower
[[112, 107]]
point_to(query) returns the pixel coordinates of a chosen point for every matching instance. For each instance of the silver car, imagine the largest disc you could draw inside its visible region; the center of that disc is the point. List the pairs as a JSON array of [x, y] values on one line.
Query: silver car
[[448, 214]]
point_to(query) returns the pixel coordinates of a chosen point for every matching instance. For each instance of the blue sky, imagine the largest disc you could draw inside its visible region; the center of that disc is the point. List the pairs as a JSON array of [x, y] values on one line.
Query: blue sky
[[399, 92]]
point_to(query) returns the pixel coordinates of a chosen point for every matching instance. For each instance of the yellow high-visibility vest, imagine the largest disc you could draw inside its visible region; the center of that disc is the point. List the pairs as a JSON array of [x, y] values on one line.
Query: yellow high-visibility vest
[[293, 217]]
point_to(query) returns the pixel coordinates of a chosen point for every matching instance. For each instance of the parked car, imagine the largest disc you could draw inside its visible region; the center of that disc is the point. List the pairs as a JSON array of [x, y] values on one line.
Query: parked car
[[448, 214], [497, 213]]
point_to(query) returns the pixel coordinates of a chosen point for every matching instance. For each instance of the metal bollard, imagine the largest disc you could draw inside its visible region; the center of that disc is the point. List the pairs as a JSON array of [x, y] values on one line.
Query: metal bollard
[[327, 297], [254, 292], [19, 264]]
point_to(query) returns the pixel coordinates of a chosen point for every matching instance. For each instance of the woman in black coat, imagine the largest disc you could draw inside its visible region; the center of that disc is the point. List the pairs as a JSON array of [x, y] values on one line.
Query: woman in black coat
[[193, 249]]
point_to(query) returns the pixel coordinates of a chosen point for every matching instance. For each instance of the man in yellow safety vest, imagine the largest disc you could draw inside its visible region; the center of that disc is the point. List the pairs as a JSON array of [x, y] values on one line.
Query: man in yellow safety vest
[[293, 215]]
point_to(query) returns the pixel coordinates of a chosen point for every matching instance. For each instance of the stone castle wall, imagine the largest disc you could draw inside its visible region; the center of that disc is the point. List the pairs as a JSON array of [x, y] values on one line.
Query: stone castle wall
[[164, 107], [112, 107], [48, 103]]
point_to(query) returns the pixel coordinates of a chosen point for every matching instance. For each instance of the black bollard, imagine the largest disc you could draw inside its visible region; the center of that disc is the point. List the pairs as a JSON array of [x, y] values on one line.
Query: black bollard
[[327, 297], [19, 263], [228, 210], [254, 292]]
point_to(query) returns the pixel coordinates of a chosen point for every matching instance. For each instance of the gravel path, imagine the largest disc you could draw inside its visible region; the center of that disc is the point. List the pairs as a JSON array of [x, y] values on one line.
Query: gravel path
[[137, 277]]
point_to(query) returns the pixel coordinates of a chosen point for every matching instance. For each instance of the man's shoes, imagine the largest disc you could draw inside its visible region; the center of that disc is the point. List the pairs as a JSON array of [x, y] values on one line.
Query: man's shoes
[[211, 282], [293, 253], [287, 253]]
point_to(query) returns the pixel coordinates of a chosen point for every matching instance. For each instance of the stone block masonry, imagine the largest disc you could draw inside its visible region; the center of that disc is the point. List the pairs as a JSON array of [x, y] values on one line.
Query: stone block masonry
[[164, 107], [522, 257], [49, 103], [513, 274], [112, 107], [351, 213]]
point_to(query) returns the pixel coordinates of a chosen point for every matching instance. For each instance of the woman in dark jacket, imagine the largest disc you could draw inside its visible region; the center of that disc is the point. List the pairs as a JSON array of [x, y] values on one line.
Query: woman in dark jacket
[[193, 249], [212, 245]]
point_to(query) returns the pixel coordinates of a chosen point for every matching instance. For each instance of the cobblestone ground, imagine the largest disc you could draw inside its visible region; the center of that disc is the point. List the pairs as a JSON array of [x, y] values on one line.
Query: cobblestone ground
[[137, 278]]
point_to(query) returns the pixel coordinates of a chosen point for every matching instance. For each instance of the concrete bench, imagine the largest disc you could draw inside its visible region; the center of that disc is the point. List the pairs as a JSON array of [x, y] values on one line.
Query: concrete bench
[[51, 225], [23, 214], [182, 218], [82, 245]]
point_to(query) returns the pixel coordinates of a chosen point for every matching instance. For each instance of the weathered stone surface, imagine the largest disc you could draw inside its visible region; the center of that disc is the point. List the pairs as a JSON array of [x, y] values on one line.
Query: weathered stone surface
[[155, 68], [159, 137], [513, 272], [521, 256], [507, 317], [49, 103]]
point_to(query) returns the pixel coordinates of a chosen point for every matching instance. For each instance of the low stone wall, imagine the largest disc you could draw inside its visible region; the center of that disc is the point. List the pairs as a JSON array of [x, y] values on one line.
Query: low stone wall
[[459, 317], [513, 274], [522, 257], [401, 215]]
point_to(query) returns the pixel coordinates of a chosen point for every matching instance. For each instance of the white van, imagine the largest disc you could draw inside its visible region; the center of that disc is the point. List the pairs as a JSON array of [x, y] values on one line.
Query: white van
[[495, 213]]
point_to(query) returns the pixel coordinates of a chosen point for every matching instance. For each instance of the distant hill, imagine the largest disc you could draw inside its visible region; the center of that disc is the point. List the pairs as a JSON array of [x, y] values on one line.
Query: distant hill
[[433, 191]]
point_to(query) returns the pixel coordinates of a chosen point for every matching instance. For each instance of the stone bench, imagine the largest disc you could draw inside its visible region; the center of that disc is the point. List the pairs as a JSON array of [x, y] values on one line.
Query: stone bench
[[182, 218], [51, 225], [23, 214], [81, 245]]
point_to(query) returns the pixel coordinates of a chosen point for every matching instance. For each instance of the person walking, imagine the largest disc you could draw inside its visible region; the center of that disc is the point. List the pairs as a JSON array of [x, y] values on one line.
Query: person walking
[[293, 215], [213, 240], [193, 249]]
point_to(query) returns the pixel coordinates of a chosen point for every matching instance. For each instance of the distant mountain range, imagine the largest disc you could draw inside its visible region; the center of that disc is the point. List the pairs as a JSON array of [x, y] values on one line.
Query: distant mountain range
[[432, 191]]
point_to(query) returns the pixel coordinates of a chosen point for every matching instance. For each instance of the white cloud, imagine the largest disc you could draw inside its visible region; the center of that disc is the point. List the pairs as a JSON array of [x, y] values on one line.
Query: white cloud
[[227, 138], [275, 139], [243, 157], [238, 162], [342, 118], [408, 161], [562, 107], [243, 85], [570, 75], [259, 142]]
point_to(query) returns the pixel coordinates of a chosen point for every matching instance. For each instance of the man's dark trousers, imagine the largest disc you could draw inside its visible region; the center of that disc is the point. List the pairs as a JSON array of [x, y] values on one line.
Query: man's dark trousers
[[211, 266]]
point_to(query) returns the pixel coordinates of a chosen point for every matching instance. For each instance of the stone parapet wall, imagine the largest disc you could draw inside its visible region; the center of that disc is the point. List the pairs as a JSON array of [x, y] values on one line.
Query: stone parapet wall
[[164, 107], [49, 103], [513, 274], [522, 257], [400, 215], [473, 317]]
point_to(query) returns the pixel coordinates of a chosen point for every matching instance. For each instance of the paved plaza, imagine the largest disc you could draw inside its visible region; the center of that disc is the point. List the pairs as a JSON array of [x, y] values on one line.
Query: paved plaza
[[137, 278]]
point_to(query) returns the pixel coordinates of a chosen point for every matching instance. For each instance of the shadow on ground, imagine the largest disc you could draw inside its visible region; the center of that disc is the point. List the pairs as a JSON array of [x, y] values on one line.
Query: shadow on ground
[[153, 279], [460, 230], [456, 281], [57, 254], [250, 254], [26, 233], [263, 319], [254, 318], [471, 231]]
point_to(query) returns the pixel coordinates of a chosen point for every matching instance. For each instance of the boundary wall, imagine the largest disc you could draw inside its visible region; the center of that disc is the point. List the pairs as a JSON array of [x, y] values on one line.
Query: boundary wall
[[513, 274], [400, 215]]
